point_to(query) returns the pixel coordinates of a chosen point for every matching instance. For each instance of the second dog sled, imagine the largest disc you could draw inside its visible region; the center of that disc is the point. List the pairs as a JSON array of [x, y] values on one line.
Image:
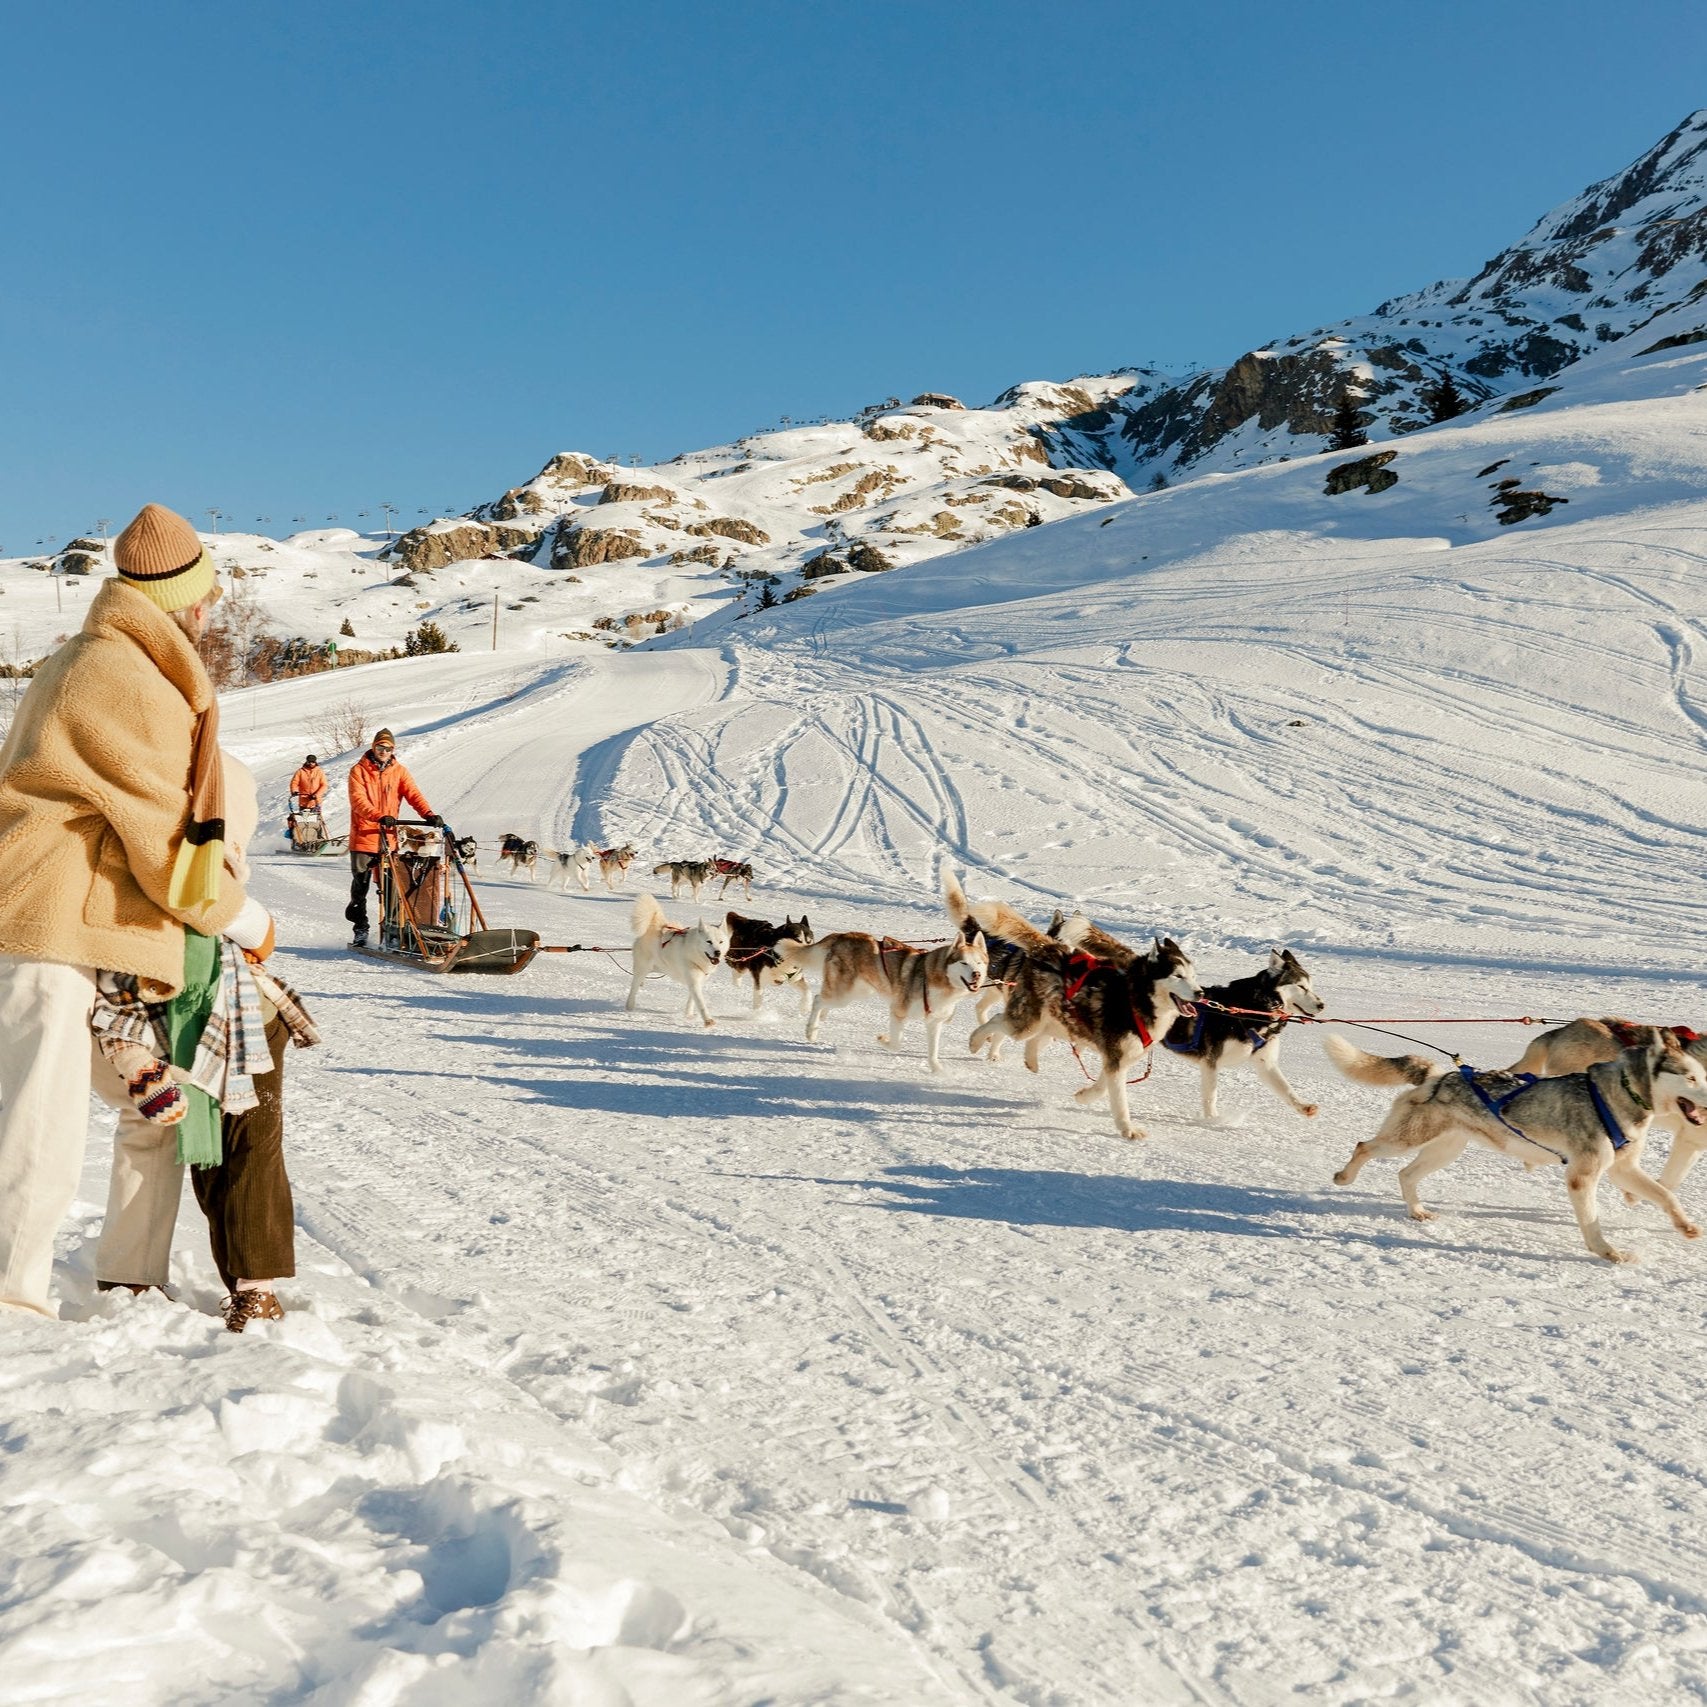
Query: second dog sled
[[306, 833], [429, 915]]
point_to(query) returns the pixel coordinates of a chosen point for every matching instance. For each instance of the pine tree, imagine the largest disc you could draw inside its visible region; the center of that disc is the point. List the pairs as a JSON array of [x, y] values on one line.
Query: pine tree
[[1158, 481], [767, 593], [1446, 402], [348, 628], [1347, 431], [427, 639]]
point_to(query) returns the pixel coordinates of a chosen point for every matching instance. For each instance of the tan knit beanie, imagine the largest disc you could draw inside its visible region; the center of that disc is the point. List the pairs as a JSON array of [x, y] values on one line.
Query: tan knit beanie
[[161, 555]]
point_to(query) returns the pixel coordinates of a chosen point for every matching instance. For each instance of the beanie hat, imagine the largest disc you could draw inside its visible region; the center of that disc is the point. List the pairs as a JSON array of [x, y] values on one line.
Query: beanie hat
[[161, 555], [385, 735]]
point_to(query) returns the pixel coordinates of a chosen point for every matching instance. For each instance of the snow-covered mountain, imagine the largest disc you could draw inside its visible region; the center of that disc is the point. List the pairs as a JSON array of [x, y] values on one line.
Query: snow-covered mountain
[[1600, 268], [592, 552]]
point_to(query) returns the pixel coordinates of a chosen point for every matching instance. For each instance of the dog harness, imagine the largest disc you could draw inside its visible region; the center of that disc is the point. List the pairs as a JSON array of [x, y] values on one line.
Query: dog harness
[[1496, 1106], [1257, 1039], [727, 867], [1608, 1120]]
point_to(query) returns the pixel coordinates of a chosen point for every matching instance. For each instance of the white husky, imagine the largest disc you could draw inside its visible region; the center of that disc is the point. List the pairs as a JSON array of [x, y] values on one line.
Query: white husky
[[685, 953], [579, 863]]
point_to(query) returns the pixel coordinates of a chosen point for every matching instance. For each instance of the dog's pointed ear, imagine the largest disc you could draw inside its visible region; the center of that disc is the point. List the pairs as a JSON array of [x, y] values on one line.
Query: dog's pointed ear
[[1276, 961], [1157, 948]]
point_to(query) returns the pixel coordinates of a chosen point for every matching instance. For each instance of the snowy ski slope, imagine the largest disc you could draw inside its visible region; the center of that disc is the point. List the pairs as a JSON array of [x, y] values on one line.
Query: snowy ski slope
[[634, 1363]]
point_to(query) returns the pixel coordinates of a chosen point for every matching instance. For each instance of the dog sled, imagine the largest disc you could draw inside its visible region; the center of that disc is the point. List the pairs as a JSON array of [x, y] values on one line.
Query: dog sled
[[306, 833], [429, 915]]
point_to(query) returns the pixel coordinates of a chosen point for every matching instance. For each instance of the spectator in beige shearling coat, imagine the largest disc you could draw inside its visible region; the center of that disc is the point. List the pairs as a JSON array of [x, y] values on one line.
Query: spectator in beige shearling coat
[[99, 862]]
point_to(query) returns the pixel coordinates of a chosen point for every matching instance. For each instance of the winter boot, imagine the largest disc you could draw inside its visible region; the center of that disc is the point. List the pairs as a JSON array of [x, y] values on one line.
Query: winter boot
[[251, 1304]]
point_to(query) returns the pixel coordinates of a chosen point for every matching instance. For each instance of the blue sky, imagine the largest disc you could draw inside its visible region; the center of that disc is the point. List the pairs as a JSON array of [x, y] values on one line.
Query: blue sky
[[303, 259]]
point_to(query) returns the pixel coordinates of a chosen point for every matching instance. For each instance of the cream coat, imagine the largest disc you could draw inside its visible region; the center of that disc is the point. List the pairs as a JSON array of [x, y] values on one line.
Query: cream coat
[[95, 797]]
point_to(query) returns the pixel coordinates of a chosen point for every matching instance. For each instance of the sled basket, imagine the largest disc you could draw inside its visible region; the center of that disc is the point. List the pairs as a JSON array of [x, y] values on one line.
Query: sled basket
[[429, 916]]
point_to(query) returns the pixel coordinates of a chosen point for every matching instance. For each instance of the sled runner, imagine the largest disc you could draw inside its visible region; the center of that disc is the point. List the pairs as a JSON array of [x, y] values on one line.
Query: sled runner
[[429, 915], [305, 833]]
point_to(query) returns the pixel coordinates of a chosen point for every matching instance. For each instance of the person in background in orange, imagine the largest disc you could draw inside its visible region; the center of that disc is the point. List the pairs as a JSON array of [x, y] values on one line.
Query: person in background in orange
[[308, 786], [379, 784]]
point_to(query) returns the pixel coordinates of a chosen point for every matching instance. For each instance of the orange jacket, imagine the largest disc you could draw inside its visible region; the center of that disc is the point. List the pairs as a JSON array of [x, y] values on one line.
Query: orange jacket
[[309, 787], [376, 792]]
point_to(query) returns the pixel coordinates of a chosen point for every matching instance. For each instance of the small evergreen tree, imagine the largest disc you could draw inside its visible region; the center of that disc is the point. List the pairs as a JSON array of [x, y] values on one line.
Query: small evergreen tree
[[348, 628], [1347, 431], [428, 638], [767, 593], [1158, 481], [1445, 402]]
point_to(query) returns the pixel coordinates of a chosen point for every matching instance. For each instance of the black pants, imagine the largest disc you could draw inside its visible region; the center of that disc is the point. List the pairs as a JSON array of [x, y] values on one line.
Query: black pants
[[361, 880]]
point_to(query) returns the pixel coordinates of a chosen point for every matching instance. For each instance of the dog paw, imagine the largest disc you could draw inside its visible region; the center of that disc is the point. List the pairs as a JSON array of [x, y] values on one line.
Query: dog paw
[[1689, 1230], [1133, 1132], [1309, 1110], [1423, 1215], [1630, 1198], [1613, 1255]]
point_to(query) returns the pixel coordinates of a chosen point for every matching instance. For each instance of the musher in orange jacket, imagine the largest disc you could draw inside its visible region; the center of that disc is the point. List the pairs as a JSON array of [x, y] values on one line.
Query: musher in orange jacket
[[379, 784]]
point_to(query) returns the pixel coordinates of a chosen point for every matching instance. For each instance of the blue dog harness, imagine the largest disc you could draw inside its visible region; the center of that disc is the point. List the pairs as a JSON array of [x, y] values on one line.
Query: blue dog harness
[[1194, 1042], [1496, 1106]]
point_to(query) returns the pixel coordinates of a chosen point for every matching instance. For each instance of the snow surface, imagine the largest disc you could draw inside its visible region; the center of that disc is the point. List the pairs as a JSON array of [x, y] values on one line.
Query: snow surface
[[634, 1363]]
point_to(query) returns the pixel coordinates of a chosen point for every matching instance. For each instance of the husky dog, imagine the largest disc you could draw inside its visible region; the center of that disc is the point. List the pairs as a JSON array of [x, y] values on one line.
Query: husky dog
[[1215, 1040], [1004, 952], [1585, 1042], [692, 872], [733, 871], [752, 954], [467, 853], [614, 863], [932, 981], [578, 863], [685, 953], [1594, 1122], [522, 855], [1119, 1010]]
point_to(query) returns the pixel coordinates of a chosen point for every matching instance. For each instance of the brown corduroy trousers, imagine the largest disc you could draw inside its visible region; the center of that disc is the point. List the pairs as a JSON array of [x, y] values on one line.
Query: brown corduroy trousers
[[251, 1221]]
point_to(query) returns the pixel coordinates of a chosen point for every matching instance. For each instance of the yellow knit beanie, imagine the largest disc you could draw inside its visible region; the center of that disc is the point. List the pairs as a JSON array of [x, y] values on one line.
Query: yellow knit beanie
[[161, 555]]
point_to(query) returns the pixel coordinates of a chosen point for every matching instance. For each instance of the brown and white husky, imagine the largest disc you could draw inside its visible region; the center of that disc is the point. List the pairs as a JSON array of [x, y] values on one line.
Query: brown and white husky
[[928, 981]]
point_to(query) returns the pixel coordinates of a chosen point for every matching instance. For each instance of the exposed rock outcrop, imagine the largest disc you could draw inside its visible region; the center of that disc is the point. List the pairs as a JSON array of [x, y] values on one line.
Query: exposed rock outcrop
[[1369, 472], [621, 492], [436, 545], [935, 400], [575, 547], [731, 527]]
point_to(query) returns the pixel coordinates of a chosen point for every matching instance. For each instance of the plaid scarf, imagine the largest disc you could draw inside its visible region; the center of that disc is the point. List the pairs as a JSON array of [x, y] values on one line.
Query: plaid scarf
[[231, 1050]]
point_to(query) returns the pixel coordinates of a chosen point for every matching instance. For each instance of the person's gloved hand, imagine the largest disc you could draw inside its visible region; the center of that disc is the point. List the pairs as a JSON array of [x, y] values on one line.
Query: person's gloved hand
[[252, 930], [435, 820], [388, 823]]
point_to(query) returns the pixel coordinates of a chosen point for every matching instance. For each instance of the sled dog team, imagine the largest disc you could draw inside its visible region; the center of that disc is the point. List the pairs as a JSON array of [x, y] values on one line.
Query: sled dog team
[[1583, 1096], [579, 863]]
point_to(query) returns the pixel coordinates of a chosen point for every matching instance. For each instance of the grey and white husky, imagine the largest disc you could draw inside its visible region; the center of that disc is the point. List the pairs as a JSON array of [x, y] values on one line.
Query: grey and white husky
[[928, 981], [691, 873], [685, 953], [1592, 1122], [1216, 1040], [1120, 1011], [1585, 1042]]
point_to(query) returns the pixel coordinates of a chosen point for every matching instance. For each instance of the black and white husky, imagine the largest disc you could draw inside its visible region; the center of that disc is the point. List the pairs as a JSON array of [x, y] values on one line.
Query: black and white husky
[[1215, 1040], [752, 954], [522, 855]]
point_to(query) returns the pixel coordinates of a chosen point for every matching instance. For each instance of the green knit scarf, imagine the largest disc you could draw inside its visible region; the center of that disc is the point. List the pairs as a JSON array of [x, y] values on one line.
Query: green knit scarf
[[187, 1015]]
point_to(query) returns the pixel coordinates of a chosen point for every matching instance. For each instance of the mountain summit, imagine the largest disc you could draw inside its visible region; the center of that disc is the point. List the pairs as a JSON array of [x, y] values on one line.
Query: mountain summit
[[1596, 269]]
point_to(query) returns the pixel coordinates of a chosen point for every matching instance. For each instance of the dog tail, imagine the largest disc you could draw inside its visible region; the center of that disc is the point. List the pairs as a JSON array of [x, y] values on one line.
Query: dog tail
[[1078, 932], [996, 918], [954, 899], [648, 915], [1378, 1069]]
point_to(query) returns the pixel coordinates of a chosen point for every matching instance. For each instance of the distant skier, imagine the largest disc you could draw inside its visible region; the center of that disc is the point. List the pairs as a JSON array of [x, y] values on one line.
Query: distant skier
[[379, 784]]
